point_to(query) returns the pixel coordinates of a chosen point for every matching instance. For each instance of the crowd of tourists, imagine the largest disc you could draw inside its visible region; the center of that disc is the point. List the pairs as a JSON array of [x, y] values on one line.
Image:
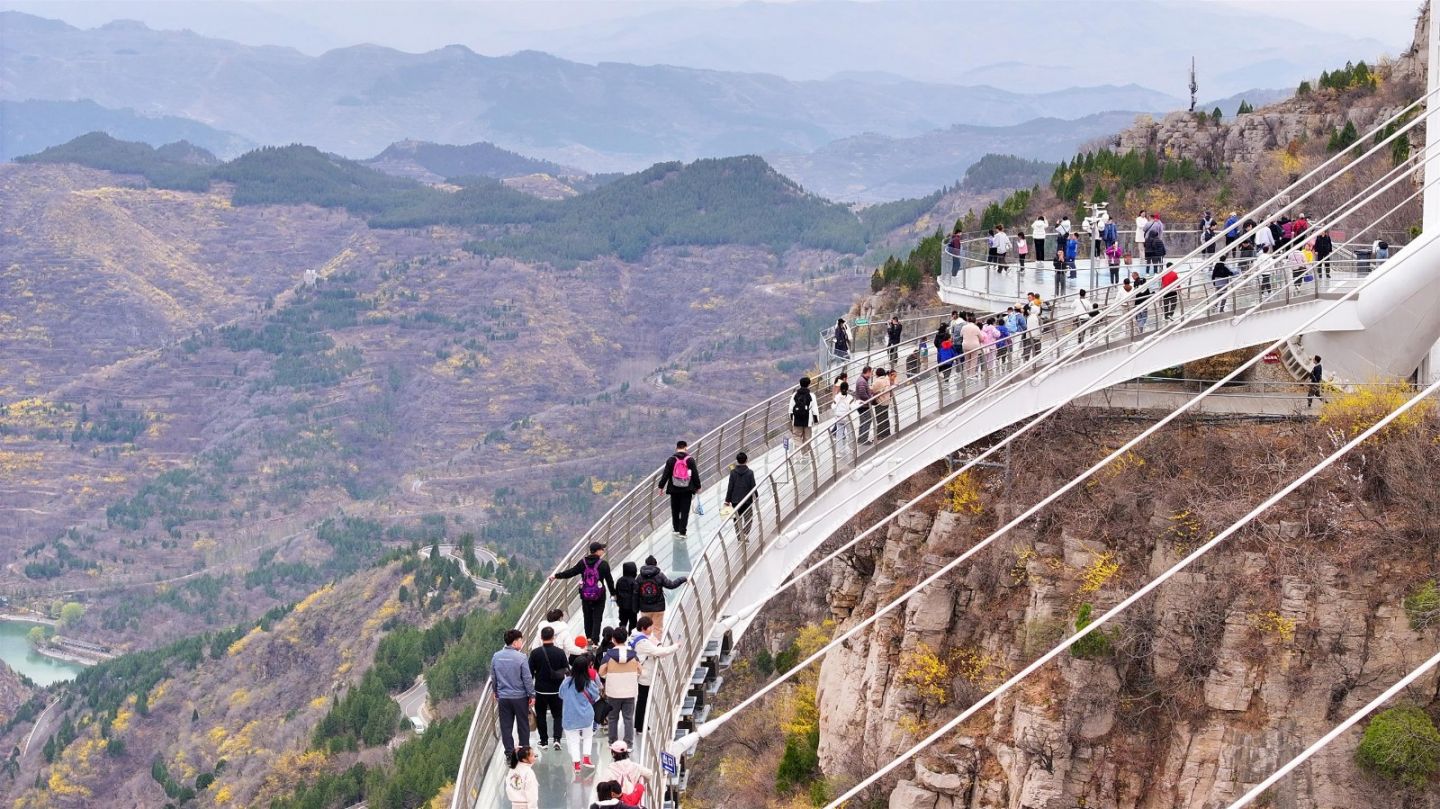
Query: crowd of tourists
[[573, 684], [1107, 245]]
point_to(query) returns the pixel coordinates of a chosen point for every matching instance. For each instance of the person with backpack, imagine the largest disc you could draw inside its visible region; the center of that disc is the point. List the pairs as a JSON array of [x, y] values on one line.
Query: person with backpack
[[548, 665], [804, 413], [1154, 244], [742, 483], [1110, 234], [645, 642], [632, 776], [1316, 377], [578, 694], [680, 478], [627, 596], [513, 689], [652, 586], [1207, 232], [620, 669], [595, 583], [1380, 249], [893, 331]]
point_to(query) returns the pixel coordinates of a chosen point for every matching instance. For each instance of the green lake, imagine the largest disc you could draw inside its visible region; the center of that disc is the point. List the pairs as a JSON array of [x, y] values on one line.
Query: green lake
[[16, 652]]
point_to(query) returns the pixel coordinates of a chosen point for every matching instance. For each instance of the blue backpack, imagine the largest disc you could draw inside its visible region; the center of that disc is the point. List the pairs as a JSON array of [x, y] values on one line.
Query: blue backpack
[[1110, 234]]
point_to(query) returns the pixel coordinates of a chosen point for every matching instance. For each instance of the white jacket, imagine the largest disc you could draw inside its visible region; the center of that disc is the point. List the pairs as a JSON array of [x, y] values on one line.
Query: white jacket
[[563, 638], [627, 772], [841, 406], [647, 649], [622, 671], [1264, 239], [1038, 228], [522, 787], [1002, 243], [1140, 224]]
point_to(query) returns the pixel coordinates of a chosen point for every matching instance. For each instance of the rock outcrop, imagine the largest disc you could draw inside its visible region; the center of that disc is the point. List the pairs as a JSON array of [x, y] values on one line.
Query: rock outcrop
[[1201, 691], [1245, 141]]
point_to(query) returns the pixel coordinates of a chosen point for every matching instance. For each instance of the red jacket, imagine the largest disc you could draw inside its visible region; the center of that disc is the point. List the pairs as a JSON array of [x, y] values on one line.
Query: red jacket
[[1169, 278]]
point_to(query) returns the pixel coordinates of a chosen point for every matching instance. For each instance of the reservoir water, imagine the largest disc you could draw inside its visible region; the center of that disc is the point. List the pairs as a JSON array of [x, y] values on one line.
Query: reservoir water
[[16, 652]]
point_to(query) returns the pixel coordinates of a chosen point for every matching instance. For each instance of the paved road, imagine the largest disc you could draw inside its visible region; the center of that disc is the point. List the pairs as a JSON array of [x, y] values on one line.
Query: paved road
[[483, 555], [41, 729], [415, 704]]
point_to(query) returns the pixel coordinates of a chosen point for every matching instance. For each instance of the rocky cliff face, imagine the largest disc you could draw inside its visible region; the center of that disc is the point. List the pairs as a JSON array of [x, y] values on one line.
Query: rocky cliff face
[[1203, 689], [1246, 141]]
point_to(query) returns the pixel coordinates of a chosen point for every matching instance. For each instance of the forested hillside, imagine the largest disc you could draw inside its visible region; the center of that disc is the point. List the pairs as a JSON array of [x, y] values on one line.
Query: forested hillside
[[738, 200], [438, 161]]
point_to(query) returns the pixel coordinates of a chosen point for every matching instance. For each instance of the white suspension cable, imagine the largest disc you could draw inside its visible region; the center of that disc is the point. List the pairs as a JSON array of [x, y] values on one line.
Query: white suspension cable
[[1334, 734], [708, 727], [1139, 594]]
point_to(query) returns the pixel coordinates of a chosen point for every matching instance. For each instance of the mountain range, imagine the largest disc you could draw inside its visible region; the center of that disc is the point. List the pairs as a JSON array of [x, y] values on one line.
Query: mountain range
[[1150, 42], [358, 100]]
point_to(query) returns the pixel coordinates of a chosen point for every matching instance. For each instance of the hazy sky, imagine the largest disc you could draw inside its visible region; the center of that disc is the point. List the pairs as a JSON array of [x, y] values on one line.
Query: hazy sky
[[502, 26]]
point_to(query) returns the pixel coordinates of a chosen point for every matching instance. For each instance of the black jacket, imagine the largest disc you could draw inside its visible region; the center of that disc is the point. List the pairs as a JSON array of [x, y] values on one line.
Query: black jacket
[[608, 583], [1324, 246], [627, 593], [656, 583], [549, 666], [742, 483], [667, 483], [893, 332]]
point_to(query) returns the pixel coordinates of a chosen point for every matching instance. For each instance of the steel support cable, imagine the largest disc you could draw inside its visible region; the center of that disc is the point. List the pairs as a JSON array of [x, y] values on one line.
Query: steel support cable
[[709, 726], [1139, 594], [1010, 438], [1350, 721]]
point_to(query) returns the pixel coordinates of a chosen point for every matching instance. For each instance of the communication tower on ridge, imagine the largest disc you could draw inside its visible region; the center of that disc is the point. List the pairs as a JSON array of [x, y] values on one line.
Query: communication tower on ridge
[[1193, 85]]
